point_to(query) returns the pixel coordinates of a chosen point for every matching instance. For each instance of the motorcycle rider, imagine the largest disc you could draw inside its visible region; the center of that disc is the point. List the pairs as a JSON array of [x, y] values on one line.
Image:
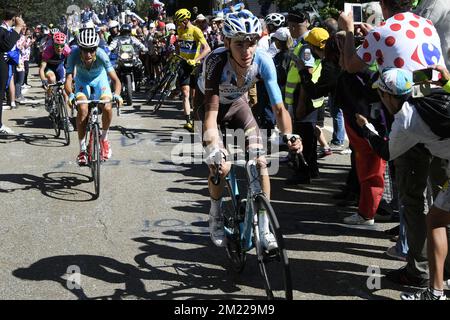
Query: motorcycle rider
[[125, 38]]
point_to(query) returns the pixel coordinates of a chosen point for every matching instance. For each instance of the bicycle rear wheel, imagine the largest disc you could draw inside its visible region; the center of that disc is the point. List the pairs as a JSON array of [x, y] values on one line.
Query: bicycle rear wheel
[[274, 265], [165, 92], [95, 159], [64, 119]]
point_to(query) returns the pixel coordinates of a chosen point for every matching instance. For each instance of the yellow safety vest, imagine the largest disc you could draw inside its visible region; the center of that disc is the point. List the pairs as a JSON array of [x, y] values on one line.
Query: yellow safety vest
[[293, 79], [317, 103]]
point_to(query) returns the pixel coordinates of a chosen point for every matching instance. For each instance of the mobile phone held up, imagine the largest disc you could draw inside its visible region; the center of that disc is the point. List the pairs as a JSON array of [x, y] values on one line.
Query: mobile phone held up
[[424, 75], [356, 10]]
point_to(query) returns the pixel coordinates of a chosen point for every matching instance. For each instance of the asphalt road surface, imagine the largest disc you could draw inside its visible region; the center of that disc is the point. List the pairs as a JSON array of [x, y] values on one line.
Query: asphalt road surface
[[146, 237]]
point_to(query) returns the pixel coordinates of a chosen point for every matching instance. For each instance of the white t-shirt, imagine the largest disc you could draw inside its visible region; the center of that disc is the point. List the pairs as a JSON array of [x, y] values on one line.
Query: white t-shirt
[[409, 129], [405, 41]]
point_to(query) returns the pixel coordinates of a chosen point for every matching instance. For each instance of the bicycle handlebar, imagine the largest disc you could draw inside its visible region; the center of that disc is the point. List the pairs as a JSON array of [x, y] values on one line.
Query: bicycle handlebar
[[58, 84], [78, 102]]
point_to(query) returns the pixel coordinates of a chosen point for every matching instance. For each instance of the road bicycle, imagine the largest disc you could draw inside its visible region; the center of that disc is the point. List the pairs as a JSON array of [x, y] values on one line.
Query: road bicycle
[[58, 114], [242, 228], [167, 83], [93, 133]]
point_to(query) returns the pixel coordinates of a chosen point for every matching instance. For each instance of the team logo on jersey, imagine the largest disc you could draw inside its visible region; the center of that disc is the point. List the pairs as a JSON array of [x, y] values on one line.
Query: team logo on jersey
[[426, 54]]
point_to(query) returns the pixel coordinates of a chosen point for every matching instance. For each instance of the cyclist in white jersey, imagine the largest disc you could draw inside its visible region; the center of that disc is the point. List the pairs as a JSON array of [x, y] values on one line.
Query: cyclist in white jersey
[[227, 75]]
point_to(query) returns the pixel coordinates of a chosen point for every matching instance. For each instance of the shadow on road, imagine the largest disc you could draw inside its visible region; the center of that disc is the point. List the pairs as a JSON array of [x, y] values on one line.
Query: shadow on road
[[56, 185]]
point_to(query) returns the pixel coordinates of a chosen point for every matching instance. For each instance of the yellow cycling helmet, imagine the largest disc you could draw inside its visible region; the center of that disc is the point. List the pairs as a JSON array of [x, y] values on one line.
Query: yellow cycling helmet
[[182, 15]]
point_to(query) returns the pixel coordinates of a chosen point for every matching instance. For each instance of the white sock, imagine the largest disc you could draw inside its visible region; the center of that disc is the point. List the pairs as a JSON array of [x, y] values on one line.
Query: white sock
[[263, 221], [215, 205], [83, 144], [104, 134]]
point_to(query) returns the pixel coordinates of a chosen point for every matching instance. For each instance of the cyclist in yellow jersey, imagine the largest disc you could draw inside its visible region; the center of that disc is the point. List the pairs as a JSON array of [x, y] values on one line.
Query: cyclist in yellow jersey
[[193, 47]]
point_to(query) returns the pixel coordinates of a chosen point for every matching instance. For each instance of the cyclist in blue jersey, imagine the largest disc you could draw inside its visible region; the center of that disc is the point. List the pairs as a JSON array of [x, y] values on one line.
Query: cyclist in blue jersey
[[92, 71], [228, 73]]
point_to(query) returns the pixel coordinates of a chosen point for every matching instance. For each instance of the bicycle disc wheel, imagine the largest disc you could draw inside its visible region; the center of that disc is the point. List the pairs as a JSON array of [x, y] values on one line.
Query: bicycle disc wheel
[[232, 219], [64, 118], [274, 265], [95, 158]]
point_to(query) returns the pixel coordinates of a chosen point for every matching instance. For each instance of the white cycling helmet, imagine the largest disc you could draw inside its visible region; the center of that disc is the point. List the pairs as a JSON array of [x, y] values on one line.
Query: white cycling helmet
[[113, 24], [88, 38], [275, 19], [241, 24], [88, 25]]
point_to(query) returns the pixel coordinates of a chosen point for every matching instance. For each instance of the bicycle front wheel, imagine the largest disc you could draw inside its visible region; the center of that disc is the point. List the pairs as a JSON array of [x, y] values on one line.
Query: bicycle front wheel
[[274, 264], [232, 218], [64, 119], [55, 116], [95, 159]]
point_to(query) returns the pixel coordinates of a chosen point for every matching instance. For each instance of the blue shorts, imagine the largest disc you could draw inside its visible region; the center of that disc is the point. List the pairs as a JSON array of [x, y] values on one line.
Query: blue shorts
[[100, 85], [58, 70]]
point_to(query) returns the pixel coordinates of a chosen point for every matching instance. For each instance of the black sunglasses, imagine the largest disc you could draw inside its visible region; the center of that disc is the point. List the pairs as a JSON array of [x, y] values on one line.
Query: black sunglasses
[[90, 50]]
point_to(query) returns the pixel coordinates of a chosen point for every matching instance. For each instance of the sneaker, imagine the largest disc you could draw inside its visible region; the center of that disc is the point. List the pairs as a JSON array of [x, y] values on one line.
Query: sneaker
[[336, 146], [324, 152], [106, 149], [189, 126], [358, 220], [24, 100], [402, 277], [393, 253], [4, 130], [345, 151], [268, 241], [26, 86], [6, 107], [216, 229], [422, 295], [20, 99], [13, 105], [82, 159]]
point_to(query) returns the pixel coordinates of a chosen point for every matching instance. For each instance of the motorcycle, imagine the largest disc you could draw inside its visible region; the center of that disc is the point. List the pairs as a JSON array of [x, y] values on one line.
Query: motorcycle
[[126, 63]]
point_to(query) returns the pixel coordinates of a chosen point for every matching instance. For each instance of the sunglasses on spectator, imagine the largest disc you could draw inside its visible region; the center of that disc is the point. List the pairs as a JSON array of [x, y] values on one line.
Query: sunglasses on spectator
[[57, 45]]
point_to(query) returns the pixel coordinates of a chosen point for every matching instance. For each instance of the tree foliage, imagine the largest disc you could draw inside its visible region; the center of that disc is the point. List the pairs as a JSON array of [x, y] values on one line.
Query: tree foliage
[[43, 11]]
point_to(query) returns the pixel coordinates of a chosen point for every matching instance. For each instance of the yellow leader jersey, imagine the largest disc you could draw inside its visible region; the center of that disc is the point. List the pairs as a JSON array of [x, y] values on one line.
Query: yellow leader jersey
[[190, 41]]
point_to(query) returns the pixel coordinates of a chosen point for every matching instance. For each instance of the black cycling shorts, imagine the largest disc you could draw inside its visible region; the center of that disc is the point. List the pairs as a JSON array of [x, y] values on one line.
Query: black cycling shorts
[[185, 76]]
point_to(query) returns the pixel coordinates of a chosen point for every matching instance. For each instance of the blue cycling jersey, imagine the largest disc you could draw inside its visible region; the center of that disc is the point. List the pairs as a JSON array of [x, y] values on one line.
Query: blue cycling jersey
[[219, 77], [102, 64]]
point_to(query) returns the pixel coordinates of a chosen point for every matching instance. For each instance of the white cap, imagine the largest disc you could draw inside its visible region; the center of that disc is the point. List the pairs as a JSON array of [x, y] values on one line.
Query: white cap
[[170, 26], [200, 17], [218, 17], [152, 25], [281, 34]]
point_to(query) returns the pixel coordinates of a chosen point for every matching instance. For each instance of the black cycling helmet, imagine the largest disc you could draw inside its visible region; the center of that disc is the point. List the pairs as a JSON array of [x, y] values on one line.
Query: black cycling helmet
[[125, 28]]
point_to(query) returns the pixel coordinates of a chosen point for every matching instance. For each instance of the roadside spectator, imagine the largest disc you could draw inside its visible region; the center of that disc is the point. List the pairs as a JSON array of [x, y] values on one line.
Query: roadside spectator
[[390, 46], [9, 35], [438, 11]]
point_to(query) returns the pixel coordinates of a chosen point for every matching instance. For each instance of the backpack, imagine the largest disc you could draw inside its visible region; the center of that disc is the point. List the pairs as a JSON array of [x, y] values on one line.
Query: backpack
[[435, 111], [13, 56]]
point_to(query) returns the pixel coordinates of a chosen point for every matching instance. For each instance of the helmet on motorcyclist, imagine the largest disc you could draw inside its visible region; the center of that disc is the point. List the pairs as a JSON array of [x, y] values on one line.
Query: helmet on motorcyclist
[[125, 29]]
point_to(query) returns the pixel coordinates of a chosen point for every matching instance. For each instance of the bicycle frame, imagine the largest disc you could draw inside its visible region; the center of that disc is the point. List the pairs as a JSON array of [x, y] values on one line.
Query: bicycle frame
[[250, 224]]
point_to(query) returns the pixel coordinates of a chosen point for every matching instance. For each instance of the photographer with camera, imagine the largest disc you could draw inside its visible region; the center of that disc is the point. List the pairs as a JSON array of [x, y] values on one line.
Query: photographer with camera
[[9, 35]]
